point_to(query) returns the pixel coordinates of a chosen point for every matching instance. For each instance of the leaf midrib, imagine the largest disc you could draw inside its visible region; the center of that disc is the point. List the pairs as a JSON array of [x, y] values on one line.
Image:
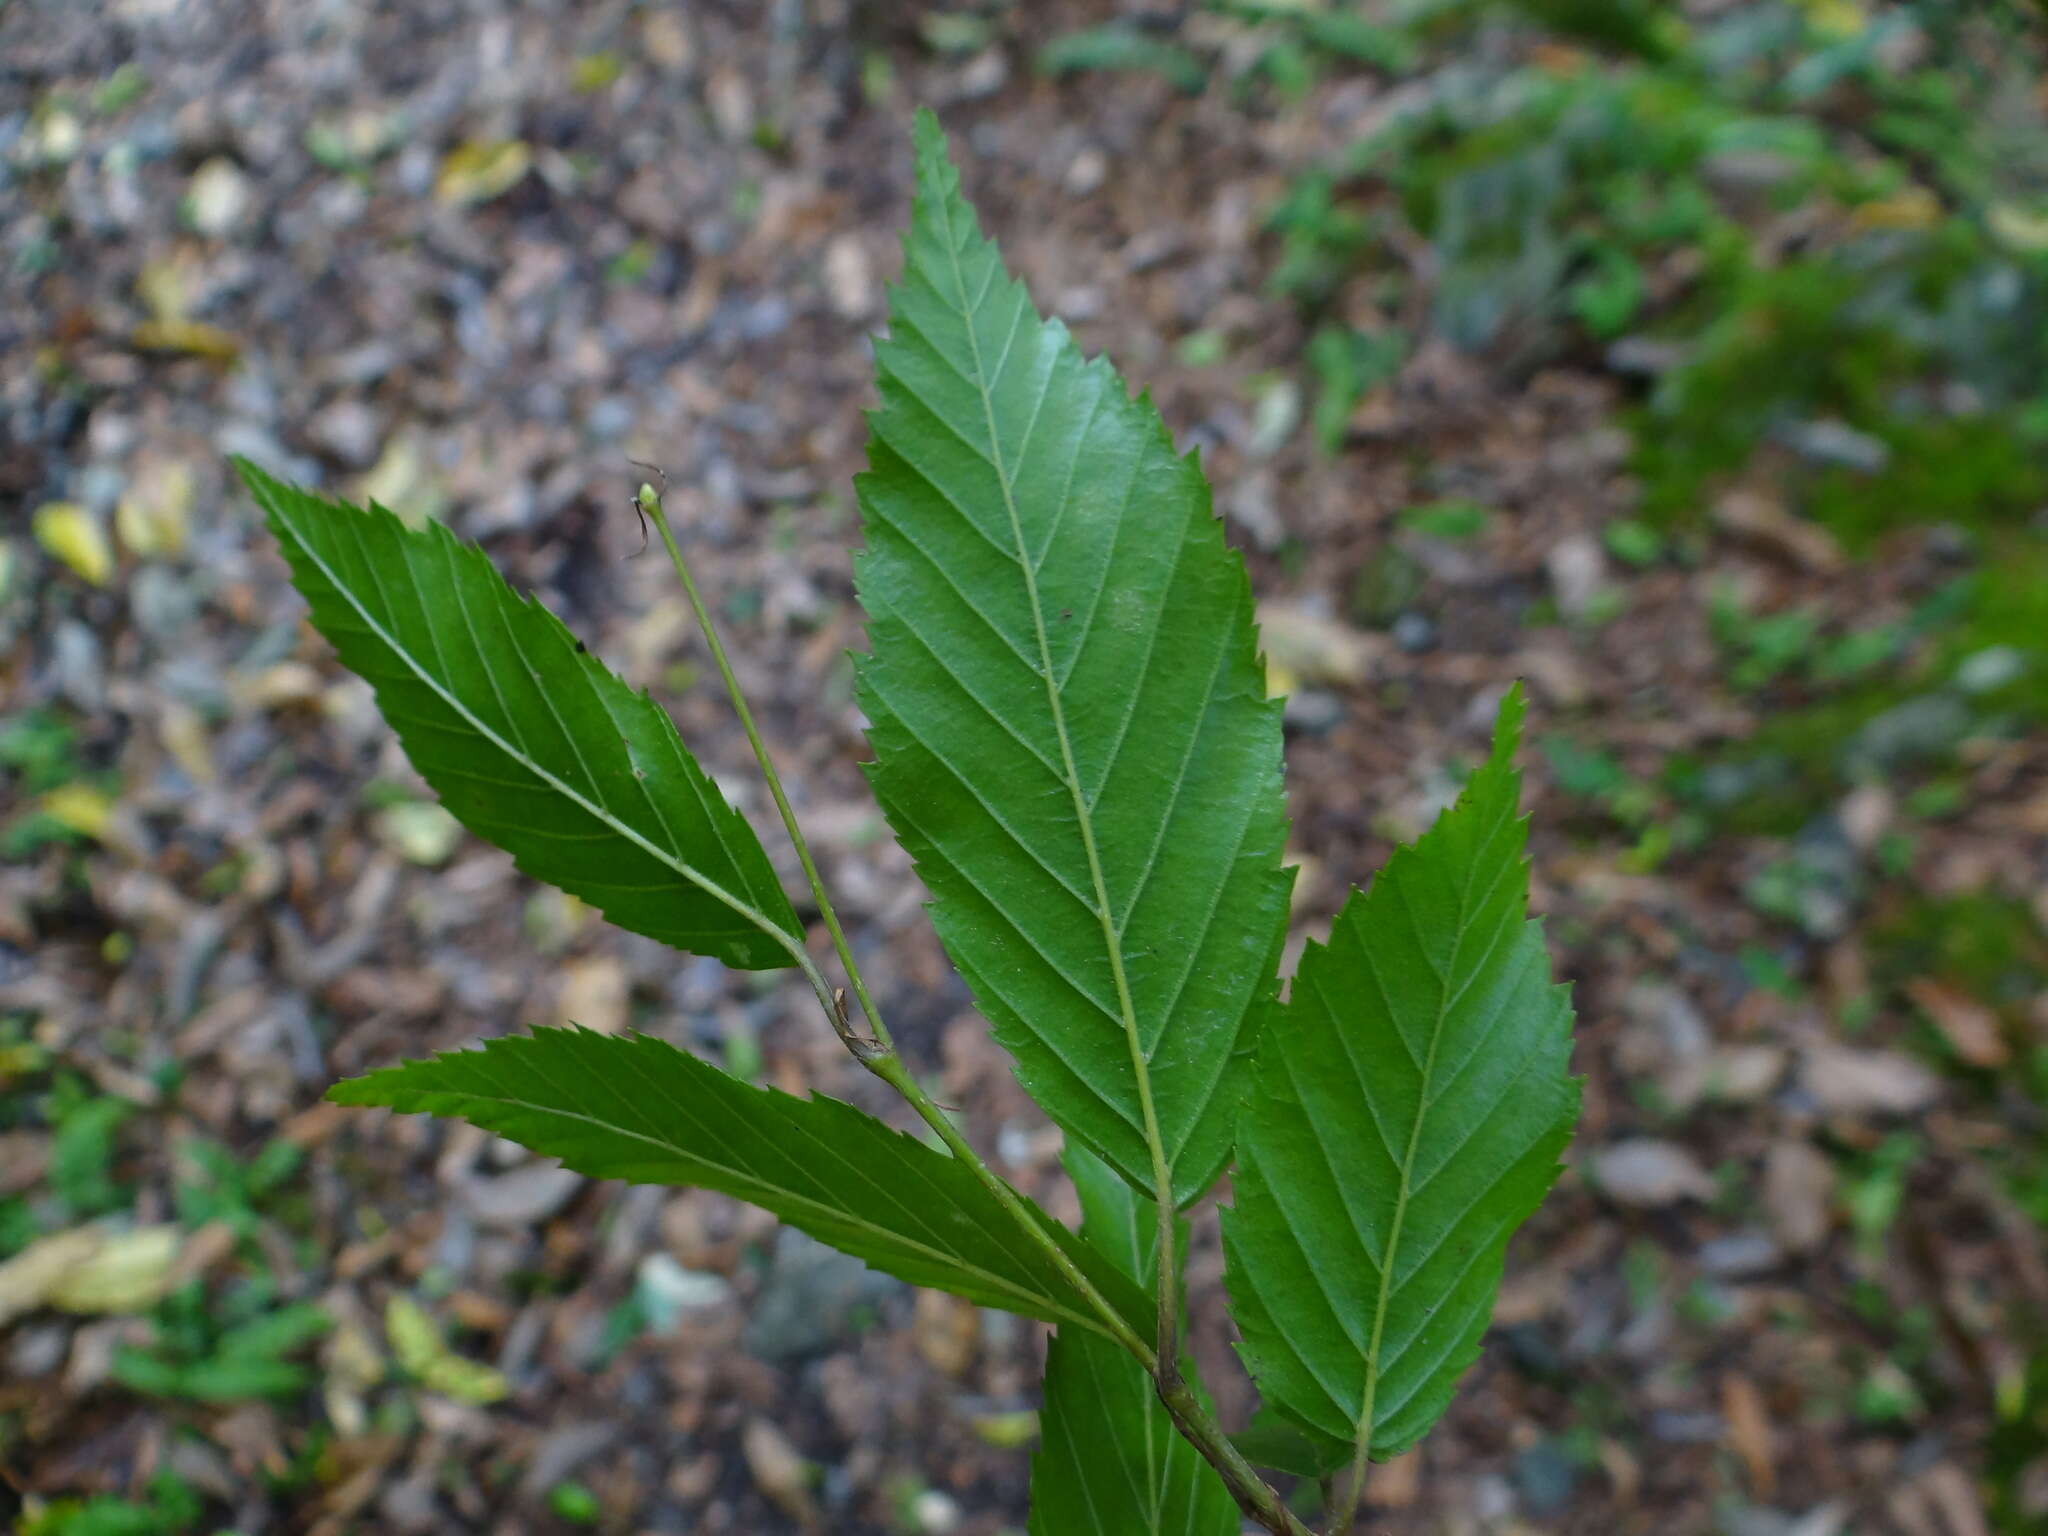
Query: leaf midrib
[[882, 1235], [482, 728], [1083, 811]]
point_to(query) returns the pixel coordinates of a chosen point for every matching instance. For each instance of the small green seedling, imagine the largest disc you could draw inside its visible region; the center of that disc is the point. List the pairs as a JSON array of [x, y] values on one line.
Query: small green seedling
[[1072, 737]]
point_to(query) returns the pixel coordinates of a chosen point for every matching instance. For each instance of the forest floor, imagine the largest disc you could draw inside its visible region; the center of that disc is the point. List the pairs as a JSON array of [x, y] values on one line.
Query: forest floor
[[473, 260]]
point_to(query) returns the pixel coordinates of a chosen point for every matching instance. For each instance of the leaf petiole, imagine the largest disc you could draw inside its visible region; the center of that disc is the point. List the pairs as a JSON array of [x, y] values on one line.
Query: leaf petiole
[[648, 501]]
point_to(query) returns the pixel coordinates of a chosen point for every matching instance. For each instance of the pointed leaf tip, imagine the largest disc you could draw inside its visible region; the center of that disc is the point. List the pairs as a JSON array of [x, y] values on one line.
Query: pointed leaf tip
[[1507, 726]]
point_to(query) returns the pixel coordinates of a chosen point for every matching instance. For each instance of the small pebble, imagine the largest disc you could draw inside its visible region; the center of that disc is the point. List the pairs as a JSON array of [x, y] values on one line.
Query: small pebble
[[1313, 711], [1739, 1254], [1414, 633]]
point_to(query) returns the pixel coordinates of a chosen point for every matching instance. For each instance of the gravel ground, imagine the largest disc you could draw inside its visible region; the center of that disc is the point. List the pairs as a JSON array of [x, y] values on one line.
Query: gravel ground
[[472, 258]]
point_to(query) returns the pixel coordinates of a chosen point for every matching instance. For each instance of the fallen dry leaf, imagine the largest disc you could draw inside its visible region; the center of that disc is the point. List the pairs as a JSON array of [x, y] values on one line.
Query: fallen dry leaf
[[1763, 520], [480, 170], [946, 1330], [779, 1470], [1798, 1194], [1749, 1432], [81, 808], [1307, 647], [1396, 1484], [1729, 1074], [153, 517], [1845, 1081], [186, 338], [90, 1270], [1943, 1501], [75, 536], [593, 993], [1968, 1026], [1647, 1173]]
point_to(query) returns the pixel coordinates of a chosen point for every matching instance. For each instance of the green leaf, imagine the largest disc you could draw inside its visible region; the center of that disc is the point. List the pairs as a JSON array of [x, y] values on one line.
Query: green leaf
[[1454, 520], [1116, 47], [636, 1108], [1273, 1442], [1412, 1100], [1110, 1462], [1067, 707], [528, 738]]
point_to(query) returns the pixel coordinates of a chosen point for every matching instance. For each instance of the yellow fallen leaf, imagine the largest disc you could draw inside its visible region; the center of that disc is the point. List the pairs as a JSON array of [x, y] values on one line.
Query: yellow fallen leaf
[[415, 1341], [551, 919], [595, 71], [2024, 229], [81, 808], [480, 170], [90, 1270], [1007, 1431], [278, 686], [184, 734], [1306, 647], [153, 518], [417, 1344], [420, 830], [129, 1272], [74, 535], [54, 138], [1835, 18], [217, 198], [401, 482], [191, 338], [1907, 208], [467, 1381], [164, 286], [353, 1366], [25, 1279]]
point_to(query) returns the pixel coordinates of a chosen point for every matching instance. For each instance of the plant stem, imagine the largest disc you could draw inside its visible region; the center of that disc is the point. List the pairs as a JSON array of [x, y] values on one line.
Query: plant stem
[[1347, 1493], [649, 501], [890, 1069], [1161, 1359], [1254, 1495]]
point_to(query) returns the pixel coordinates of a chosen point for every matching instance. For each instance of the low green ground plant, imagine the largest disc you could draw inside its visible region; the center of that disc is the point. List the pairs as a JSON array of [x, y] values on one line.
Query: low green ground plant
[[1821, 233]]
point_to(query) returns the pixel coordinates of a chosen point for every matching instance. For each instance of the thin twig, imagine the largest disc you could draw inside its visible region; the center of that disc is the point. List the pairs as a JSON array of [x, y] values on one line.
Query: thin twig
[[649, 501], [1348, 1492]]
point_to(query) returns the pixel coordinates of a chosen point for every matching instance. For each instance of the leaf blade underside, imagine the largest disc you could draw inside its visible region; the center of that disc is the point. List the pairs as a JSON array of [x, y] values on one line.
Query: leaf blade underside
[[1066, 706], [529, 740], [1412, 1100], [635, 1108], [1109, 1460]]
